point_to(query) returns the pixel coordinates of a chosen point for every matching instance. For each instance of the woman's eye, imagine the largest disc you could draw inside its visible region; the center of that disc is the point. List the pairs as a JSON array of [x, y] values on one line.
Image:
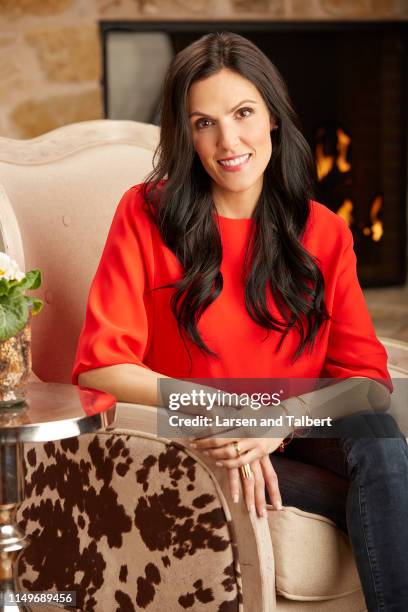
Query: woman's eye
[[246, 110], [200, 122]]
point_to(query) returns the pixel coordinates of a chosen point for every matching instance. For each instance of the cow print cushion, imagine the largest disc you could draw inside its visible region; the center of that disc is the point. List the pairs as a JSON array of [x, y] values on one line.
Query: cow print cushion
[[129, 523]]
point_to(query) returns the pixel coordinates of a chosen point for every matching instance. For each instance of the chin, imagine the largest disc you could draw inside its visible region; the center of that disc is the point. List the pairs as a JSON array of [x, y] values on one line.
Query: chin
[[237, 185], [237, 188]]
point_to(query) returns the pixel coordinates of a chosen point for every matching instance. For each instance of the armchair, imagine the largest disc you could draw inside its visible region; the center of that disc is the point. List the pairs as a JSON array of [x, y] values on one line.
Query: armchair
[[127, 519]]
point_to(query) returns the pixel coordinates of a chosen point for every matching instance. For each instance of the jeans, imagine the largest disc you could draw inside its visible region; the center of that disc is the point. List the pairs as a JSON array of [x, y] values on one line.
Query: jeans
[[366, 495]]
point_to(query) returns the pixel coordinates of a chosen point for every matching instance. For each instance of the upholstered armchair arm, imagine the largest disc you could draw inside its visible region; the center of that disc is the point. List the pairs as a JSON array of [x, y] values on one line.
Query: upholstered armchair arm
[[250, 536], [130, 520]]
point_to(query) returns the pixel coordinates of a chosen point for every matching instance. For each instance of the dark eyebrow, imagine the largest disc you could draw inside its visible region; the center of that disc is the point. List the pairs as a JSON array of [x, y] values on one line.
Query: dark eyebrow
[[231, 111]]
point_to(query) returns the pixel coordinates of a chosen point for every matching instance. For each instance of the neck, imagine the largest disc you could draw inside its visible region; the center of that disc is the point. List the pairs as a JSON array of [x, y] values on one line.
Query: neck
[[236, 205]]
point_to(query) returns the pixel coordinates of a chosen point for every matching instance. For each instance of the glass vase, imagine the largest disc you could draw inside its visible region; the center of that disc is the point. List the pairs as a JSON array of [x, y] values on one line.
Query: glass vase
[[15, 367]]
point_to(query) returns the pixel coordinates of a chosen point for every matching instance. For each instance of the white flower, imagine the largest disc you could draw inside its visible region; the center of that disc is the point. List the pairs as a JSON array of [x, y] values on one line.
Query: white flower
[[9, 269]]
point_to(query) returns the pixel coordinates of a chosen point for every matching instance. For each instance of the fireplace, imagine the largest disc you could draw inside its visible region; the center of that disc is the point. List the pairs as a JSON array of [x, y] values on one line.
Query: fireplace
[[348, 84]]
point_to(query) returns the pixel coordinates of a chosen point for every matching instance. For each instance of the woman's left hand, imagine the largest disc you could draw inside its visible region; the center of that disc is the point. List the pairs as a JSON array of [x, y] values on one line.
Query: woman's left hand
[[223, 450]]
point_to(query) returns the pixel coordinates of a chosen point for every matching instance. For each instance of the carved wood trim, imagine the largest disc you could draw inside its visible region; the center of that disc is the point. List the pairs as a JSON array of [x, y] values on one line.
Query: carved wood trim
[[70, 139]]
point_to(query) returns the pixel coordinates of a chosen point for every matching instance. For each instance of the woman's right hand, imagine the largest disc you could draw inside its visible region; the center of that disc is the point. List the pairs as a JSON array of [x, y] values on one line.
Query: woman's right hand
[[263, 474]]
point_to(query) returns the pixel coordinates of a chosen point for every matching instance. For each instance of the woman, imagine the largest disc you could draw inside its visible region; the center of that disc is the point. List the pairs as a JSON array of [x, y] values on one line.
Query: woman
[[221, 266]]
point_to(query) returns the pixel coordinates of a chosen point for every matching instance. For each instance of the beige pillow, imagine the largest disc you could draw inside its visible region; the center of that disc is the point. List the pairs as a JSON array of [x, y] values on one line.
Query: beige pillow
[[313, 558]]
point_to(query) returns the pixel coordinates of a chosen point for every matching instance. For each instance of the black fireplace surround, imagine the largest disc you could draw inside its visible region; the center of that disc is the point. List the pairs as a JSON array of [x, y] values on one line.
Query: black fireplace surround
[[348, 84]]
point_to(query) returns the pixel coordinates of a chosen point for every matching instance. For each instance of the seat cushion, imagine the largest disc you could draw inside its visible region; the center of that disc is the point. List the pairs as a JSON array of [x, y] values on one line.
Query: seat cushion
[[313, 556]]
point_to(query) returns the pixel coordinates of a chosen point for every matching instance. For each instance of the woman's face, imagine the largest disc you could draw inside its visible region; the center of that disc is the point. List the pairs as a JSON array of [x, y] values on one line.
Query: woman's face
[[229, 119]]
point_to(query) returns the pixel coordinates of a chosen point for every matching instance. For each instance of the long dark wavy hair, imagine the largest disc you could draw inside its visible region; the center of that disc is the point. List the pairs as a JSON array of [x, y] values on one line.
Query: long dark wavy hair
[[184, 211]]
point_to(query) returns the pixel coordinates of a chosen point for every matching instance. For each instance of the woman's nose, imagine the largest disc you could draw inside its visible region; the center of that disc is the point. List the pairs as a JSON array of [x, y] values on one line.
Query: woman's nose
[[227, 138]]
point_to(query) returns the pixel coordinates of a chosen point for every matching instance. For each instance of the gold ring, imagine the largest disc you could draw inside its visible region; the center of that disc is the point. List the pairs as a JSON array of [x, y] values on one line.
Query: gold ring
[[246, 470], [237, 449]]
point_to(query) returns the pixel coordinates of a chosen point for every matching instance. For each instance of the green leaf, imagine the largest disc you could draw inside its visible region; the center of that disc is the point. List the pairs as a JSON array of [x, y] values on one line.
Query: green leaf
[[13, 316], [13, 283], [32, 280], [17, 288], [4, 286], [37, 305], [34, 277]]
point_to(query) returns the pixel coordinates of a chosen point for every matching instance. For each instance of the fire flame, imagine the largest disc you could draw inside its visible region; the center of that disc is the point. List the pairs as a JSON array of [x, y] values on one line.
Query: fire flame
[[326, 163], [376, 230], [345, 211], [343, 142]]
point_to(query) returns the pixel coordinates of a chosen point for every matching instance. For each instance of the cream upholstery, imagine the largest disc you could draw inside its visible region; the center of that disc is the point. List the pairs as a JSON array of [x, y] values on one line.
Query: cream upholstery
[[72, 181], [58, 194], [333, 575]]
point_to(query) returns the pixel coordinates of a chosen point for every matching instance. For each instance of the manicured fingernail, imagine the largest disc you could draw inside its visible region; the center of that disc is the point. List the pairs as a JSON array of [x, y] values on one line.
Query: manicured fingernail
[[192, 445], [278, 505], [235, 498], [264, 513], [206, 453], [219, 463], [252, 510]]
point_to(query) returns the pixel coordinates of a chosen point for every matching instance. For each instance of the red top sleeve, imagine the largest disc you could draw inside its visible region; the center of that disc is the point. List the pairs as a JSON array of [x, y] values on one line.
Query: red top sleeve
[[116, 326], [353, 348]]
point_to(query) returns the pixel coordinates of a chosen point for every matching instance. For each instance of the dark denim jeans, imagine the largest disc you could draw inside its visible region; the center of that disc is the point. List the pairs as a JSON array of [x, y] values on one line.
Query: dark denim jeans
[[366, 495]]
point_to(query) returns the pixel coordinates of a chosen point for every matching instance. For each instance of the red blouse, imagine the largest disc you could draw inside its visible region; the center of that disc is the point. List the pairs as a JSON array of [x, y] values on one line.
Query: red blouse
[[127, 323]]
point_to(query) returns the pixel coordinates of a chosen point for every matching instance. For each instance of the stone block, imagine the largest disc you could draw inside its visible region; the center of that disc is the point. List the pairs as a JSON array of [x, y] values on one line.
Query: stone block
[[267, 7], [401, 8], [125, 9], [34, 117], [372, 9], [11, 77], [4, 133], [18, 8], [383, 7], [346, 8], [305, 8], [6, 40], [176, 8], [69, 53], [389, 8], [17, 72]]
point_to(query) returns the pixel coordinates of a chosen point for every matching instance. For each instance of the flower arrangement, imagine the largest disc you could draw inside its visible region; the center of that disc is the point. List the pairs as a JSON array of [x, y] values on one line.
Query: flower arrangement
[[14, 304]]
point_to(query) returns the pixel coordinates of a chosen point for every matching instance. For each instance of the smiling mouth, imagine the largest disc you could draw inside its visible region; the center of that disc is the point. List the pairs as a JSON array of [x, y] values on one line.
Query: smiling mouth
[[237, 161]]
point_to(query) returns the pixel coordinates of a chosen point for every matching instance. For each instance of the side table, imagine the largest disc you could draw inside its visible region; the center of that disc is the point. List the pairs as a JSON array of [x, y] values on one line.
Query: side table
[[52, 411]]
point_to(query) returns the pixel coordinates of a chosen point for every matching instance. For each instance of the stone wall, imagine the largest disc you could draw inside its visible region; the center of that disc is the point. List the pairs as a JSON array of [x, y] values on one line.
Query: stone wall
[[50, 53]]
